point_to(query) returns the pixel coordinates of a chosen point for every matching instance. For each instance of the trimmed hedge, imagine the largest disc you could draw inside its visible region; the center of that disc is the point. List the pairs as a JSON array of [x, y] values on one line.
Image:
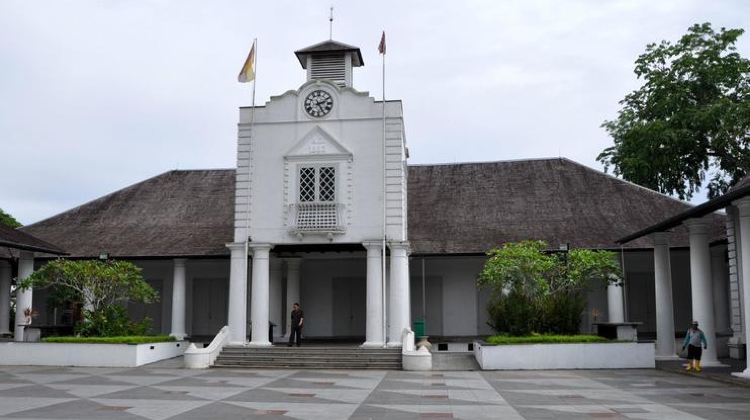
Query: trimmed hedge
[[544, 339], [135, 339]]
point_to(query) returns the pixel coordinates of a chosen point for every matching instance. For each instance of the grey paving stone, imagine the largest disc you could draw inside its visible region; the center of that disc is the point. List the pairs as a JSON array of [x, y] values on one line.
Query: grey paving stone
[[160, 393]]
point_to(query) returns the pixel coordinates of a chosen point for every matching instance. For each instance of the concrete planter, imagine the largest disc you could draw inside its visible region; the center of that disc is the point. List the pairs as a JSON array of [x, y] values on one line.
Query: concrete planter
[[88, 354], [616, 355]]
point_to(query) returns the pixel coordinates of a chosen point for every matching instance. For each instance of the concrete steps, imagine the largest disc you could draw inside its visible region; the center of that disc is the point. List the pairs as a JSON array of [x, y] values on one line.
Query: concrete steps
[[309, 357]]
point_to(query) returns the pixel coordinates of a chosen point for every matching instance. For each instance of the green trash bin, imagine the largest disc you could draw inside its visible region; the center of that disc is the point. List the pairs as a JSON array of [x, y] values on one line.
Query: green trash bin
[[418, 327]]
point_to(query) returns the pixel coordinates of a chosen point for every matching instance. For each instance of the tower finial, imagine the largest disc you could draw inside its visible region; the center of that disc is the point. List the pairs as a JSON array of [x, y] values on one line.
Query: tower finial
[[330, 25]]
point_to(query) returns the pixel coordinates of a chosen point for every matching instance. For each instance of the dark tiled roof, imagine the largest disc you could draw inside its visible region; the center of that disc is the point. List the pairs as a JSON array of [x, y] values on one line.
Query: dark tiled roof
[[744, 182], [12, 238], [472, 207], [329, 46], [178, 213], [461, 208]]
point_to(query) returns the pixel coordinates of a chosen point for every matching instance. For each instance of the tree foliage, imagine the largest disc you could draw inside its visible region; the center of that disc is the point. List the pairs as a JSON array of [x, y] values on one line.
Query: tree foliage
[[101, 287], [690, 121], [96, 284], [537, 291], [8, 220]]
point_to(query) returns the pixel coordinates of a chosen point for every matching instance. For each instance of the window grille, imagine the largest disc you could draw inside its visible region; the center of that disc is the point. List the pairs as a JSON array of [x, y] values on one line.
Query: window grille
[[327, 184], [306, 184], [317, 209]]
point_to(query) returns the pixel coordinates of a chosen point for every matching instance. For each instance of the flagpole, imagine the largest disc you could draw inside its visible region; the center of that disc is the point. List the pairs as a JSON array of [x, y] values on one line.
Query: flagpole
[[385, 340], [249, 163]]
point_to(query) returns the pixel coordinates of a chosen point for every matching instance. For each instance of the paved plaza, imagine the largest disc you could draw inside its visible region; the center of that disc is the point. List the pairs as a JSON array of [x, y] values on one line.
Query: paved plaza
[[165, 392]]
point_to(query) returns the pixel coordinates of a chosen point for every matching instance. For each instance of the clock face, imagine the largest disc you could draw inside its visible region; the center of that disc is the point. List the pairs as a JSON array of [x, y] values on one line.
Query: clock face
[[318, 103]]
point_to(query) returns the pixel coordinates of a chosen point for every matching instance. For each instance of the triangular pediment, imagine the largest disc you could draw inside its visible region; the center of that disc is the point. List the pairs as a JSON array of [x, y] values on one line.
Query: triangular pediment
[[318, 143]]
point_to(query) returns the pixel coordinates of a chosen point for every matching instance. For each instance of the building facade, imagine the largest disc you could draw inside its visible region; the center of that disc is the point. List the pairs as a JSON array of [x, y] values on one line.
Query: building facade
[[322, 183]]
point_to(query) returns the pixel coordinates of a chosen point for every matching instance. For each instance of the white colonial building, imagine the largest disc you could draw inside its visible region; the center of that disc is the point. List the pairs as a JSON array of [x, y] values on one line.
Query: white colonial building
[[322, 182], [317, 168]]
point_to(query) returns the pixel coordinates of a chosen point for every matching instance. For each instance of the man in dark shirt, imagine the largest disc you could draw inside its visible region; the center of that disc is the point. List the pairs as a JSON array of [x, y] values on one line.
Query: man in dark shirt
[[298, 319]]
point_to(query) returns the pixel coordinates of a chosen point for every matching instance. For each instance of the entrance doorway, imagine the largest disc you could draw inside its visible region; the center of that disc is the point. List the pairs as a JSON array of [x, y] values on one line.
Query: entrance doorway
[[209, 306], [349, 307]]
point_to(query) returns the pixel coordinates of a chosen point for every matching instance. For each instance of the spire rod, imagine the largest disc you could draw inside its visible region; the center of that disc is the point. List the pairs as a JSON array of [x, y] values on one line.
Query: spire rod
[[330, 25]]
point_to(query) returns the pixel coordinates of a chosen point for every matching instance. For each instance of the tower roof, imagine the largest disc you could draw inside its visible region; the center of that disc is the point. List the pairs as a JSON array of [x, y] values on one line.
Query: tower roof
[[329, 46]]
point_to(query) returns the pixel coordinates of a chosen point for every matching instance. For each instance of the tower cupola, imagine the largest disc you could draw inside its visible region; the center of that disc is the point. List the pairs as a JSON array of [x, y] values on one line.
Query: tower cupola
[[330, 60]]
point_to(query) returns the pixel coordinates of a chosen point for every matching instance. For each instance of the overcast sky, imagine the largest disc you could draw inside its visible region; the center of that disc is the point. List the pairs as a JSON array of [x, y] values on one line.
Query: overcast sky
[[98, 95]]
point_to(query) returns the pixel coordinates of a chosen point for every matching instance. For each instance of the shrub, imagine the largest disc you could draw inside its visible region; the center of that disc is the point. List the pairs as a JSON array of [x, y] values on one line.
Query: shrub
[[111, 340], [534, 290], [514, 313], [561, 313], [544, 338], [111, 321]]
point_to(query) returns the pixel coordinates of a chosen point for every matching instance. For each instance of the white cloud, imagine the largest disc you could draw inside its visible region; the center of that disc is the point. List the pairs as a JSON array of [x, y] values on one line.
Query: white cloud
[[95, 95]]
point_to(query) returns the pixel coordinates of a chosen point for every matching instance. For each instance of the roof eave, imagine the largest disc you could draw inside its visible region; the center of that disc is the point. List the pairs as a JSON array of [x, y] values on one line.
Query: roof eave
[[26, 247], [701, 210]]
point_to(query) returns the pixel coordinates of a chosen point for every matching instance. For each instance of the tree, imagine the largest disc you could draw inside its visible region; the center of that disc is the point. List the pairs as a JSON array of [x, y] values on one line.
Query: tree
[[8, 220], [535, 290], [100, 287], [691, 118]]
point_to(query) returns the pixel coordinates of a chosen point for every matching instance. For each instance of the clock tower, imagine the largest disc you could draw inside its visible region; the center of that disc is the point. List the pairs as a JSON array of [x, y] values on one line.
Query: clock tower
[[321, 170]]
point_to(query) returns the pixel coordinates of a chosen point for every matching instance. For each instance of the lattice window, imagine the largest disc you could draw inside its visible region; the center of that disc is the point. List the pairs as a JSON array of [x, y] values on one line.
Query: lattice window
[[317, 184], [327, 184], [307, 184]]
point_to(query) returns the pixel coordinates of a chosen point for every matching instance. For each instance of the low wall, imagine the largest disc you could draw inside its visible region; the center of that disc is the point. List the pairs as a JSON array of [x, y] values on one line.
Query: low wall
[[88, 354], [616, 355], [196, 358]]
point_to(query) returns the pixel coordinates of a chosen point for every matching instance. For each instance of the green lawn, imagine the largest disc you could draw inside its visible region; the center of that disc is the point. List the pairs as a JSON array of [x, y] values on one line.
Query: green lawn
[[135, 339], [544, 339]]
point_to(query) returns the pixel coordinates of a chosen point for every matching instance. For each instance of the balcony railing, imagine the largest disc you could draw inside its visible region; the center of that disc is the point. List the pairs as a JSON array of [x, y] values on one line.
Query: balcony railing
[[316, 218]]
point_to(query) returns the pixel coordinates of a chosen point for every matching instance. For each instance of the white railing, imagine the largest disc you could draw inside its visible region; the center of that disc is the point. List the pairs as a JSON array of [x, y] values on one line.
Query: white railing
[[412, 358], [316, 217], [196, 358]]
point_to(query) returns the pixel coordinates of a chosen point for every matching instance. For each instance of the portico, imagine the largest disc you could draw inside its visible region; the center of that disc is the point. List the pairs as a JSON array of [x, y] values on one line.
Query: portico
[[22, 249], [708, 290]]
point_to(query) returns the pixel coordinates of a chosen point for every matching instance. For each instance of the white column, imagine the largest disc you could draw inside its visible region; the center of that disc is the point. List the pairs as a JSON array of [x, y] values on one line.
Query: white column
[[237, 315], [720, 283], [275, 296], [259, 305], [292, 290], [665, 339], [399, 294], [178, 299], [615, 305], [23, 298], [744, 209], [5, 276], [701, 288], [374, 327]]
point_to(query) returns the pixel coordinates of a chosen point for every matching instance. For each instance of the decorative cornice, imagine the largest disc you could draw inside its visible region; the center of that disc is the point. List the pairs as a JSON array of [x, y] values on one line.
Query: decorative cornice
[[697, 226]]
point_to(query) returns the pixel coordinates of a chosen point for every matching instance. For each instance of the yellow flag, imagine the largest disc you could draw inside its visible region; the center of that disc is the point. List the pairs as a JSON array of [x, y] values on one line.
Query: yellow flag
[[247, 74]]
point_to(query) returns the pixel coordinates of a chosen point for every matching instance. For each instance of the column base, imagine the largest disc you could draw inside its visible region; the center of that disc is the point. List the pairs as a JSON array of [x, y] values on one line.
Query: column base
[[178, 336], [373, 345], [259, 344], [237, 343], [745, 374], [668, 358], [712, 363], [395, 344]]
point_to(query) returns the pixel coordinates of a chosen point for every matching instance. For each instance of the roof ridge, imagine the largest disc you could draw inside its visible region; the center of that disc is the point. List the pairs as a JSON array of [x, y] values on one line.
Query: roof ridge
[[488, 162], [630, 183]]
